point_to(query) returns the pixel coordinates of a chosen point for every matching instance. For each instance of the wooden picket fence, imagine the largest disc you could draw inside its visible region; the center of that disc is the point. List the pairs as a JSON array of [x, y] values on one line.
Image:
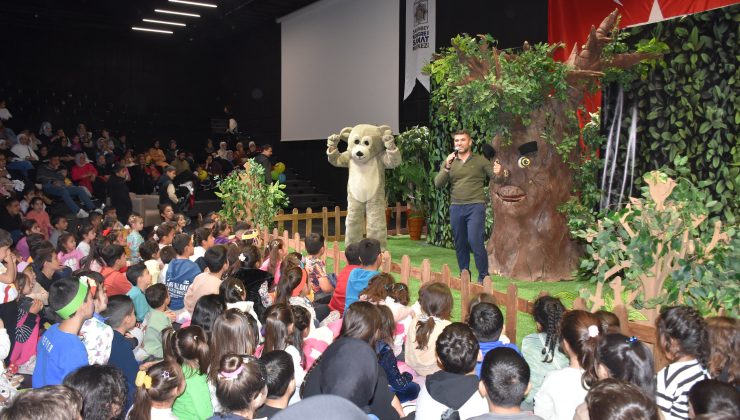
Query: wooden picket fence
[[334, 217], [508, 299]]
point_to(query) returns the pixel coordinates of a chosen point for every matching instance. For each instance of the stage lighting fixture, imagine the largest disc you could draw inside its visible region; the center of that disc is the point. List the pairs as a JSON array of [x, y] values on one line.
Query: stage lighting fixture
[[161, 31], [193, 3], [164, 22], [172, 12]]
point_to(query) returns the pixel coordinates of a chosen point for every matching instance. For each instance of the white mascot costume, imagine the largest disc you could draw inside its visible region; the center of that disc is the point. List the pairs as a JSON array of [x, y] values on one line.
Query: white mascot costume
[[370, 151]]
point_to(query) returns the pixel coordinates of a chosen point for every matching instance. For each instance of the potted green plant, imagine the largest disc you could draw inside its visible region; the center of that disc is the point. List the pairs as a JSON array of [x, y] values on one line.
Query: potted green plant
[[410, 180]]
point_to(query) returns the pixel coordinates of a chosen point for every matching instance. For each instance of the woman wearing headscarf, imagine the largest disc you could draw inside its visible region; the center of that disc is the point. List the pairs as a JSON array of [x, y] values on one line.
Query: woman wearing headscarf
[[83, 172]]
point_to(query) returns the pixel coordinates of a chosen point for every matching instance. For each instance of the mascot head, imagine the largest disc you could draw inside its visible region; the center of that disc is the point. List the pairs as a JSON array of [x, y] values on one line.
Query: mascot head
[[364, 141]]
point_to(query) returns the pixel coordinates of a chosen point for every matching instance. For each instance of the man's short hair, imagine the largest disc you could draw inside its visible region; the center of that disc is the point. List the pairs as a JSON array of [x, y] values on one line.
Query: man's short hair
[[457, 349], [180, 242], [352, 253], [280, 371], [369, 251], [486, 321], [266, 146], [134, 272], [215, 258], [461, 132], [314, 242], [156, 295], [505, 374]]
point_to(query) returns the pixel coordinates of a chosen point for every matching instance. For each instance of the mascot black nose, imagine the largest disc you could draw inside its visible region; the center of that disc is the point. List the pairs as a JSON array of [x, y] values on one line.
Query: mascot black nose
[[359, 154]]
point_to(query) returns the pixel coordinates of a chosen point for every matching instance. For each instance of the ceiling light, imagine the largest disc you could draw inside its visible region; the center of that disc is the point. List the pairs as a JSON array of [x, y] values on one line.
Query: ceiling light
[[193, 3], [164, 22], [136, 28], [172, 12]]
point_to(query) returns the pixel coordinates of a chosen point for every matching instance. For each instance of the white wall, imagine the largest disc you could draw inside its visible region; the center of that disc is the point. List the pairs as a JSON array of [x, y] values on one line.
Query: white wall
[[339, 67]]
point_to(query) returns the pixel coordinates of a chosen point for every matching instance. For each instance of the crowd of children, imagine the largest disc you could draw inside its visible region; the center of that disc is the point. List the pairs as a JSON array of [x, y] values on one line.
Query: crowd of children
[[109, 322]]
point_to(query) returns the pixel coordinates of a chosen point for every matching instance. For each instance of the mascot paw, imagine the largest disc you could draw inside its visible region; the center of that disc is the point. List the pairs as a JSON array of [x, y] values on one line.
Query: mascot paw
[[388, 141], [333, 141]]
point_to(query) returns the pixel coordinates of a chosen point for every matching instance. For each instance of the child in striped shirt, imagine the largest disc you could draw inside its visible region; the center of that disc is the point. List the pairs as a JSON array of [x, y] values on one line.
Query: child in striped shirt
[[683, 334]]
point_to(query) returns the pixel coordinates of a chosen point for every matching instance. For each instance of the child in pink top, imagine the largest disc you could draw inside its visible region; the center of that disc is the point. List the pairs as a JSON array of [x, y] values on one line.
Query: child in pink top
[[68, 254], [41, 217]]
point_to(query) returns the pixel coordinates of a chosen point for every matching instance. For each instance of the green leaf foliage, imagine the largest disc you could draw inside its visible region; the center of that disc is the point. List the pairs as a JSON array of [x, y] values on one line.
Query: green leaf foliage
[[246, 197], [689, 105]]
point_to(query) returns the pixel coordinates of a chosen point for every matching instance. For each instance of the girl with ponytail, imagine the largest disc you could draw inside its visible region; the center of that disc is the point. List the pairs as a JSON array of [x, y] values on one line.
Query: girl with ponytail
[[156, 391], [188, 347], [431, 316], [540, 349], [565, 389], [274, 254]]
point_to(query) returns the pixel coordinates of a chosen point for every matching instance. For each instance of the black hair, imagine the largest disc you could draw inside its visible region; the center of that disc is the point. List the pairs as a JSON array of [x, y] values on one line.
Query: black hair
[[62, 291], [279, 370], [84, 229], [103, 389], [505, 374], [156, 295], [457, 349], [43, 254], [119, 307], [215, 258], [630, 360], [548, 312], [180, 242], [206, 310], [314, 243], [167, 254], [711, 396], [134, 272], [189, 343], [56, 218], [683, 332], [201, 235], [361, 321], [369, 249], [352, 253], [487, 321], [232, 290], [148, 250], [610, 321], [617, 400], [64, 237], [26, 227], [111, 253], [245, 384]]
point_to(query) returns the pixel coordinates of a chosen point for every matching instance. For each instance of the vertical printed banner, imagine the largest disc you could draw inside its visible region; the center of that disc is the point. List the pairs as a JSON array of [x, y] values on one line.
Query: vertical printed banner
[[421, 18]]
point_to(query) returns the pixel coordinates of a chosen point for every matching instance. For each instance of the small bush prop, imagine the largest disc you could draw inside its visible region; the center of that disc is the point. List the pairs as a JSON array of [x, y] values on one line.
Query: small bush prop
[[661, 249], [246, 197]]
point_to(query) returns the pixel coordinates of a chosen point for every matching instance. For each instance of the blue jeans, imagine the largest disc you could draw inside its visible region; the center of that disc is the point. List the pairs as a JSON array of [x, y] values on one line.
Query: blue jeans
[[66, 193], [22, 166], [468, 228]]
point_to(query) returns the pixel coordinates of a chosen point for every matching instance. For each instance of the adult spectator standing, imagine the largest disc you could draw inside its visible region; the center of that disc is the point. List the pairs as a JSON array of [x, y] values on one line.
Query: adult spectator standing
[[52, 177], [142, 181], [167, 188], [118, 193], [181, 164], [466, 173], [264, 160]]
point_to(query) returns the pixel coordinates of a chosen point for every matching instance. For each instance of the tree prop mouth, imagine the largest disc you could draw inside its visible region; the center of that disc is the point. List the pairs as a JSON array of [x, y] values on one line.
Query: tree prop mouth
[[511, 194]]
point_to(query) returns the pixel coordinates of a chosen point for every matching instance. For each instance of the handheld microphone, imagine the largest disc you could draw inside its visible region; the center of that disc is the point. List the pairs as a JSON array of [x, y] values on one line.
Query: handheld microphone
[[457, 150]]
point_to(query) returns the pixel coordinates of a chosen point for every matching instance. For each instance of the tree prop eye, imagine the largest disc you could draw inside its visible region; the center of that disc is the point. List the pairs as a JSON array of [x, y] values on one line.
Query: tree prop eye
[[524, 162]]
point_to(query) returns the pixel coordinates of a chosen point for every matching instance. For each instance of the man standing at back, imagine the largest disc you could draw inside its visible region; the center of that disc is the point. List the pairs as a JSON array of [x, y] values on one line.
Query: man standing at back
[[466, 173]]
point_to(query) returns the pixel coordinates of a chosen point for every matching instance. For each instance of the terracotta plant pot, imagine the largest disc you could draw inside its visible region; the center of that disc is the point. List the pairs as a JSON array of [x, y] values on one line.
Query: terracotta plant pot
[[416, 223]]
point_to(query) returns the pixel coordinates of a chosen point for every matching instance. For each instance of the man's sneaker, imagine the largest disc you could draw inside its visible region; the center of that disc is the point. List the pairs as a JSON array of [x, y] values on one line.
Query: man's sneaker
[[99, 210], [82, 214]]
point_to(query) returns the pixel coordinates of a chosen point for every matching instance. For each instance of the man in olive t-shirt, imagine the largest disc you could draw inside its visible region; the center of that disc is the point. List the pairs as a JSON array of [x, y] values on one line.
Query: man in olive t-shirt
[[466, 173]]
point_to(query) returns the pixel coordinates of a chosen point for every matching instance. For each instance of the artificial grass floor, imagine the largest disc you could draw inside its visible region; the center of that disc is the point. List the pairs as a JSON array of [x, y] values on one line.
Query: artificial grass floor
[[419, 250]]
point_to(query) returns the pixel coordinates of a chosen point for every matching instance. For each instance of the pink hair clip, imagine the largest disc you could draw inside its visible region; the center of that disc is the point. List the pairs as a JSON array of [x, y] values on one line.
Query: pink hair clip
[[231, 375]]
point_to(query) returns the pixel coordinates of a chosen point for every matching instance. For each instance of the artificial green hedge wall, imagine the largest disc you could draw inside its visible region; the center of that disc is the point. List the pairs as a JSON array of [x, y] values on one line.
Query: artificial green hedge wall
[[689, 109]]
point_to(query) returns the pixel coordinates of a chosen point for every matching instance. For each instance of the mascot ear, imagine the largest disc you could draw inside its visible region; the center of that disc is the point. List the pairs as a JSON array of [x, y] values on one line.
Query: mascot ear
[[344, 134], [385, 129]]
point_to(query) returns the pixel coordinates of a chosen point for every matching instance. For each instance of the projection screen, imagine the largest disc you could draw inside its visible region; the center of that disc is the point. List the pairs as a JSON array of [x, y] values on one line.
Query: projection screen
[[339, 67]]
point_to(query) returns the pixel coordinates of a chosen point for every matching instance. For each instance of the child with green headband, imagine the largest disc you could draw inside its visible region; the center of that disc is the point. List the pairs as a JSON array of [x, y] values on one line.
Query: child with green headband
[[60, 350]]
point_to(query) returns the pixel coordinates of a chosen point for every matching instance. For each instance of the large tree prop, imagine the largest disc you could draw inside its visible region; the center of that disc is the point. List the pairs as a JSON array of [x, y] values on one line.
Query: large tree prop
[[526, 102]]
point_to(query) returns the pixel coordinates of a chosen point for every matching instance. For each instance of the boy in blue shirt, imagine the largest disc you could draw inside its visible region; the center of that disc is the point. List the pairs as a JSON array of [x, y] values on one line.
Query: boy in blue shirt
[[60, 350], [487, 323], [139, 277], [181, 272], [371, 259]]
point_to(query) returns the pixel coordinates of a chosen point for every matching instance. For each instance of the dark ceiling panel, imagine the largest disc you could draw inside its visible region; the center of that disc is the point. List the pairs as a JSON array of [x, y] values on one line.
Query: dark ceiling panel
[[231, 16]]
